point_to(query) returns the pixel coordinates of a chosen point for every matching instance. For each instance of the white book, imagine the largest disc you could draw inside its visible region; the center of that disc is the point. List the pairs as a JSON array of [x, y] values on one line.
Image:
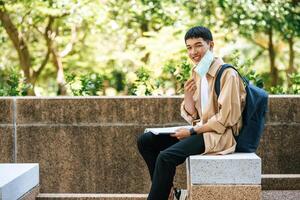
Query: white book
[[165, 130]]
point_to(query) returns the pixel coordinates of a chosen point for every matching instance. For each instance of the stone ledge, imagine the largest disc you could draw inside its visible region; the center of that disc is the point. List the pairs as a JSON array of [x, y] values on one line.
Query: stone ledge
[[105, 110], [128, 109], [237, 168], [281, 182], [17, 179], [85, 196], [266, 195]]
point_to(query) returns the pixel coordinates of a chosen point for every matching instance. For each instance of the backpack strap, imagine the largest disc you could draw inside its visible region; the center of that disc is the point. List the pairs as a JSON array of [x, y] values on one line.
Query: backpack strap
[[219, 75]]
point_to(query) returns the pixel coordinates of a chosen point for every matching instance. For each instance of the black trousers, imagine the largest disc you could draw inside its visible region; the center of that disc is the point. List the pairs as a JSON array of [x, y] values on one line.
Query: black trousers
[[162, 154]]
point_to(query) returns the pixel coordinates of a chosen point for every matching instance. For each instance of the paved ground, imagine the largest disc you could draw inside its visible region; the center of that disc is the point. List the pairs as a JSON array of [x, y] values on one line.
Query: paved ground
[[281, 195], [273, 195]]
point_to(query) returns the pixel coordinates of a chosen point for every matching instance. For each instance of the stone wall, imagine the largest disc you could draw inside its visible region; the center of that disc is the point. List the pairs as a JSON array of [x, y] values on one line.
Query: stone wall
[[88, 144]]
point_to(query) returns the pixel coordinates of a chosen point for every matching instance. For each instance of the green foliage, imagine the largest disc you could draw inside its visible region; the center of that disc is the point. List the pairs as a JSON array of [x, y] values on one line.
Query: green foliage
[[114, 38], [174, 73], [142, 14], [254, 16], [295, 80], [246, 69], [12, 83], [143, 85], [277, 90], [294, 88], [183, 72], [178, 72], [85, 85], [257, 79]]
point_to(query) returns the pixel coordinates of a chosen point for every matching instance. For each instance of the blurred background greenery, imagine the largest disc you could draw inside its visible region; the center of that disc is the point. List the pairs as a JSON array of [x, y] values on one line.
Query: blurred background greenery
[[136, 47]]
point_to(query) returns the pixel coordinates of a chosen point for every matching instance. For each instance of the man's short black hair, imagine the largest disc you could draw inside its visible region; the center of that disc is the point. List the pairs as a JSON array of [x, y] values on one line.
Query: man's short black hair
[[199, 32]]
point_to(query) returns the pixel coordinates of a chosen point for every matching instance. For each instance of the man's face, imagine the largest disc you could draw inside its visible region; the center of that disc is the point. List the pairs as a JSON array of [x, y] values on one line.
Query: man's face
[[197, 47]]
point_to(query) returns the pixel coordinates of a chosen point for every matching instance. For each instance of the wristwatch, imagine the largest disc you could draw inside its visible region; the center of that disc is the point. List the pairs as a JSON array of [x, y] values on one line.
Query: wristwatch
[[192, 131]]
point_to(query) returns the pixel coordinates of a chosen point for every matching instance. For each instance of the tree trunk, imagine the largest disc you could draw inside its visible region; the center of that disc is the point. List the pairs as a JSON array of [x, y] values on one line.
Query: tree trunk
[[19, 44], [273, 70], [47, 35], [57, 61], [291, 68], [60, 79]]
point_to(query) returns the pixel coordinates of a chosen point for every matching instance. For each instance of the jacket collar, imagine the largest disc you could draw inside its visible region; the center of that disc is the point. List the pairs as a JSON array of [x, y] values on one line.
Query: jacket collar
[[215, 66]]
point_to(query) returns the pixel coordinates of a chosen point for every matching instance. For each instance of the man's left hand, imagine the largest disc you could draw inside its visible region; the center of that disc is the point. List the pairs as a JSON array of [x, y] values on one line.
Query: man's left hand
[[181, 133]]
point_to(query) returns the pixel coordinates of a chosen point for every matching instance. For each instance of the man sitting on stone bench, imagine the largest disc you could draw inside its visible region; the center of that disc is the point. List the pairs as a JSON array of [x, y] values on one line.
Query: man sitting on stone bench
[[215, 121]]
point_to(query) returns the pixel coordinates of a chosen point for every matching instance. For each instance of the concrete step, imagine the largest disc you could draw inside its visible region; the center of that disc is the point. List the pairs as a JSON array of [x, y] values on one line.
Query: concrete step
[[19, 181], [77, 196], [280, 181], [266, 195], [232, 169], [87, 196]]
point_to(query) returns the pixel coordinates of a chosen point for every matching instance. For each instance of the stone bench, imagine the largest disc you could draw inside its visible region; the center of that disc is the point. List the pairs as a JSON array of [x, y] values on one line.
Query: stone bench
[[19, 181], [221, 177]]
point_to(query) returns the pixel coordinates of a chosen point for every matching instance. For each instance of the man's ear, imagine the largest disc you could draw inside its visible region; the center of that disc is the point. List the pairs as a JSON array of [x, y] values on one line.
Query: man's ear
[[211, 45]]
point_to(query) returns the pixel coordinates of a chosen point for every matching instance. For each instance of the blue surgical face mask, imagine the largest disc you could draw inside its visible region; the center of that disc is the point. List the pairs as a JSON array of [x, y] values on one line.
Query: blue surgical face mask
[[204, 64]]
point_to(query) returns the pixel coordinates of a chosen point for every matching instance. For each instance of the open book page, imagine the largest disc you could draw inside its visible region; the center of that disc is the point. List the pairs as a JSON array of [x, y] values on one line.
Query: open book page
[[165, 130]]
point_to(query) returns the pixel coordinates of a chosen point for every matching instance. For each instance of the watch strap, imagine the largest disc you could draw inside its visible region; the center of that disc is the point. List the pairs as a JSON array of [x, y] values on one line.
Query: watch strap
[[192, 131]]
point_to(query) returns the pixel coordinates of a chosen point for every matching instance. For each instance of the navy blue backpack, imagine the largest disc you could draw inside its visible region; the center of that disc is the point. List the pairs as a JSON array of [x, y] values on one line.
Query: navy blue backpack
[[253, 114]]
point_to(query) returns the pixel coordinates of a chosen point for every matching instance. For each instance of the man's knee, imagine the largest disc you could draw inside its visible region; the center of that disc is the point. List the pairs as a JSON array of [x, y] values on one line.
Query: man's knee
[[144, 140], [166, 157]]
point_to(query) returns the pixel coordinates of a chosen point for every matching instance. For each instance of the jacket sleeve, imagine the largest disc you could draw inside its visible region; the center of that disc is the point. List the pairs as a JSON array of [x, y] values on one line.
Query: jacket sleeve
[[187, 116], [229, 102]]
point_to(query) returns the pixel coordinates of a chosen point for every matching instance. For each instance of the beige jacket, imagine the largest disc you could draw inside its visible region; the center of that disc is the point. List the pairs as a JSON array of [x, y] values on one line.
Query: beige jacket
[[223, 115]]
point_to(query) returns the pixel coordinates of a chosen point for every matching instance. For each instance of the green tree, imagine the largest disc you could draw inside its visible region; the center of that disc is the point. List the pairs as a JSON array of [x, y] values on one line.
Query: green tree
[[13, 83], [269, 20], [41, 35]]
